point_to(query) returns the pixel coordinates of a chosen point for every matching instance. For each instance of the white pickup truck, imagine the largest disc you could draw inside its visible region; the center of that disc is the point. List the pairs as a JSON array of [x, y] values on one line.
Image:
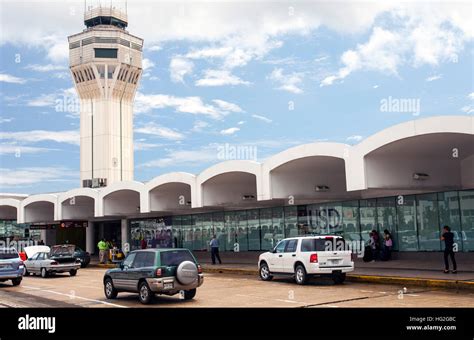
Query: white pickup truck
[[307, 256]]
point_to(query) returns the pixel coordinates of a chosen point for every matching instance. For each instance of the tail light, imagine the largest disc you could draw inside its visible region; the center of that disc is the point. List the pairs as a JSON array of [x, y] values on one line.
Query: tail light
[[313, 258], [199, 269], [54, 263], [158, 272]]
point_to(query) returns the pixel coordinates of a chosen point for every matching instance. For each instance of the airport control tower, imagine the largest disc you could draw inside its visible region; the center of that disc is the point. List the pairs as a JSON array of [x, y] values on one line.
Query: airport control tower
[[106, 66]]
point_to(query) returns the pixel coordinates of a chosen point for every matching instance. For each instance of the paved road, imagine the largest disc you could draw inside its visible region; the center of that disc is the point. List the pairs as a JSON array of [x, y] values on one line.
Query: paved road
[[222, 290]]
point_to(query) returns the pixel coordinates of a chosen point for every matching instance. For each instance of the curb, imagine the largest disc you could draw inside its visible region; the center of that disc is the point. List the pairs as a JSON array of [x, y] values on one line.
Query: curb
[[409, 281]]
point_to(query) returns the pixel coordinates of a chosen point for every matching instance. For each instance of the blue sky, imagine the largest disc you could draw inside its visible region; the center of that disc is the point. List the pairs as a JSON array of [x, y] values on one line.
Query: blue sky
[[270, 76]]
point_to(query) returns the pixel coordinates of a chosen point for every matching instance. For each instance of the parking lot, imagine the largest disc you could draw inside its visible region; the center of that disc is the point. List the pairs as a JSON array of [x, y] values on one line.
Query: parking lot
[[223, 290]]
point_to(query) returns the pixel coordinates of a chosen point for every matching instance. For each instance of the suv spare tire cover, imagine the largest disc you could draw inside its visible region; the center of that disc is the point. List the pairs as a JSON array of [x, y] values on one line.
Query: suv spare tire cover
[[187, 273]]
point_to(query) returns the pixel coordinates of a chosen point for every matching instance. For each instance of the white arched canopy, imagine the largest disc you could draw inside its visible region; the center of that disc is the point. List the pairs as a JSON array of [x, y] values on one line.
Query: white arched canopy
[[78, 204], [172, 191], [447, 159], [9, 209], [39, 208], [316, 177], [231, 183], [122, 198]]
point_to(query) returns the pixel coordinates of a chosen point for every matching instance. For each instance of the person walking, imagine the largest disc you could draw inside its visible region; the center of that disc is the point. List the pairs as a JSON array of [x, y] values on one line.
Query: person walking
[[102, 251], [214, 244], [374, 243], [448, 237]]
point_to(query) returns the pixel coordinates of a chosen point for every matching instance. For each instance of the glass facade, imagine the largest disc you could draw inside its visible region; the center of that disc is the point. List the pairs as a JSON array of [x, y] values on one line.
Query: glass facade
[[415, 222]]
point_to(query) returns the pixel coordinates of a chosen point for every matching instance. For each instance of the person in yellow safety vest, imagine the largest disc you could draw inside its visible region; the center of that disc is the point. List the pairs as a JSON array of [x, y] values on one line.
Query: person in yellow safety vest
[[102, 251]]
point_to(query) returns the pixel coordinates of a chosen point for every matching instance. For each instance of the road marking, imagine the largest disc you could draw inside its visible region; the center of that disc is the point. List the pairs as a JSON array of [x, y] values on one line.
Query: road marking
[[289, 301], [367, 291], [72, 297]]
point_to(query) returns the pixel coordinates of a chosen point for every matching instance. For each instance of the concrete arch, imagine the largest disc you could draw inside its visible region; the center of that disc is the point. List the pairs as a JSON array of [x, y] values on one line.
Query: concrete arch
[[176, 184], [39, 208], [297, 156], [243, 168], [432, 126], [118, 193], [10, 209], [76, 203]]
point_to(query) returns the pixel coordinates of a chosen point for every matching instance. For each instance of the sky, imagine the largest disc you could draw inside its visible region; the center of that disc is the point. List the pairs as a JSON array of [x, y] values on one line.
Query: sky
[[246, 76]]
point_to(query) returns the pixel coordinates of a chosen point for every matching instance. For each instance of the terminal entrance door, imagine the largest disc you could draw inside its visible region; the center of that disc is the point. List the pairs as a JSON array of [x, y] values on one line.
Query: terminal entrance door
[[110, 231]]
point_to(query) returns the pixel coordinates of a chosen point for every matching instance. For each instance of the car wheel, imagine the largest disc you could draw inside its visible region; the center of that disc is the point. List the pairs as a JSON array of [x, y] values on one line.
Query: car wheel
[[300, 275], [44, 273], [145, 295], [339, 278], [189, 294], [109, 289], [265, 272], [73, 272], [16, 281]]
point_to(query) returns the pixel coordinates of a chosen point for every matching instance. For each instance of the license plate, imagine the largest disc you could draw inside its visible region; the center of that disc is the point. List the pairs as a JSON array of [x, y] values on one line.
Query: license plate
[[168, 286], [335, 261]]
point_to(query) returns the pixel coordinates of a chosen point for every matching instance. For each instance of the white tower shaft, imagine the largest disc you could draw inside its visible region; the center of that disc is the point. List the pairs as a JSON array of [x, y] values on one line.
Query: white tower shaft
[[106, 65]]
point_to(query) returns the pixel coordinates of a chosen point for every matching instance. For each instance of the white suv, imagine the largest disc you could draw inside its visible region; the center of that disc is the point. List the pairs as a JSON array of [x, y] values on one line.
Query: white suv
[[306, 256]]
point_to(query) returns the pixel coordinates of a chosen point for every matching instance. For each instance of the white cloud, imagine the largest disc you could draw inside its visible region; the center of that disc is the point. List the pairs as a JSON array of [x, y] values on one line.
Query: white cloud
[[179, 68], [18, 150], [199, 126], [141, 146], [471, 95], [46, 68], [230, 131], [154, 48], [35, 136], [381, 53], [193, 105], [287, 82], [433, 78], [7, 78], [375, 87], [160, 131], [5, 120], [43, 100], [241, 122], [262, 118], [147, 64], [180, 158], [354, 138], [227, 107], [14, 178], [219, 78], [468, 109]]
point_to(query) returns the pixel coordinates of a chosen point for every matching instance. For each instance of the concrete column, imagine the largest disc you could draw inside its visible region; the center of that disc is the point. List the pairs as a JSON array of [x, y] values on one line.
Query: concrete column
[[90, 246], [124, 232]]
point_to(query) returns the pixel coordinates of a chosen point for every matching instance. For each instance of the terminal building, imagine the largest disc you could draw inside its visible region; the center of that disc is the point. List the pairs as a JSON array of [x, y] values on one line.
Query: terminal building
[[410, 178]]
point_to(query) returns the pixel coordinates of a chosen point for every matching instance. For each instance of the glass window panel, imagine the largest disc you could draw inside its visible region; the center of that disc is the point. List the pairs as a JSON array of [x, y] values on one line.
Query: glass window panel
[[387, 218], [350, 221], [231, 231], [266, 228], [187, 230], [368, 218], [467, 218], [241, 219], [449, 214], [291, 221], [207, 230], [219, 230], [303, 220], [254, 229], [428, 224], [177, 232], [278, 223], [407, 228]]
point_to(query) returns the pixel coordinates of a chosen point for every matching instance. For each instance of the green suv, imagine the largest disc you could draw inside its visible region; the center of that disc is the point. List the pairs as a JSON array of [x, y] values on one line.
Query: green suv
[[155, 271]]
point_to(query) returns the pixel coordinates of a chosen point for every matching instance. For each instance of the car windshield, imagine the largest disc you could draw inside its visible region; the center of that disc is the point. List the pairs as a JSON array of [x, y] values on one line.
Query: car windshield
[[323, 244], [7, 254], [175, 257], [62, 250]]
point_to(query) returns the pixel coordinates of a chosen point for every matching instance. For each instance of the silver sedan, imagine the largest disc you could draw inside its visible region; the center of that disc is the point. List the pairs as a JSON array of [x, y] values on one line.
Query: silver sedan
[[42, 263]]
